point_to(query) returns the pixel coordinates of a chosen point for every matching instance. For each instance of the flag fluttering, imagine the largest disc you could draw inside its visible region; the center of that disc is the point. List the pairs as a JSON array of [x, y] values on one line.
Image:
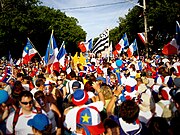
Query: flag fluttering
[[85, 46], [28, 52], [51, 51], [122, 44], [50, 58], [61, 54], [10, 59], [142, 37], [132, 48], [171, 48], [102, 43]]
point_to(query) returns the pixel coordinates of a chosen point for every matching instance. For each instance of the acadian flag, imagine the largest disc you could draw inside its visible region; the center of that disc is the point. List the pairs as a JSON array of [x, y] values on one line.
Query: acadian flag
[[132, 48], [28, 52], [61, 54], [122, 43], [7, 75]]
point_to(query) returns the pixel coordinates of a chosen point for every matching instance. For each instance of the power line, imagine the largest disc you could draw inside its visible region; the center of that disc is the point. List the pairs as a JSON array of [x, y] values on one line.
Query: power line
[[93, 6]]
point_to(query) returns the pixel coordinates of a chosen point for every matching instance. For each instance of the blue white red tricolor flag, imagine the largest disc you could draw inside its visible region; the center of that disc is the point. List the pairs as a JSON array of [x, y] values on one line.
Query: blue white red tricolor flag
[[122, 43], [132, 48]]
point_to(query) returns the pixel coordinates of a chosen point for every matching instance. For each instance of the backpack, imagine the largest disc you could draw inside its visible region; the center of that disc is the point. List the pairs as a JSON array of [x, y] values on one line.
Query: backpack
[[167, 112], [16, 116]]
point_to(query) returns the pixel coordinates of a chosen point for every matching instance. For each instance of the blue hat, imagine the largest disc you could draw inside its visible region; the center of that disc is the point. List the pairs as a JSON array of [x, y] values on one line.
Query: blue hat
[[79, 97], [3, 96], [39, 121], [101, 79], [76, 85]]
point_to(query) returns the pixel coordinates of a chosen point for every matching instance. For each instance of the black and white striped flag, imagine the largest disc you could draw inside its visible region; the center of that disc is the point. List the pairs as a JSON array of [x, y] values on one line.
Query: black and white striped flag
[[102, 43]]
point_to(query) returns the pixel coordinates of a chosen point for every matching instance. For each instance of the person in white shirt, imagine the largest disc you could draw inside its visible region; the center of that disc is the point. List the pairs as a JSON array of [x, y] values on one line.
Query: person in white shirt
[[26, 112]]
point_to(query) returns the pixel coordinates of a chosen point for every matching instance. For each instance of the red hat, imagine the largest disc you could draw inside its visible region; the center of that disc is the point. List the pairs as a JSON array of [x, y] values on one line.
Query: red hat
[[90, 120]]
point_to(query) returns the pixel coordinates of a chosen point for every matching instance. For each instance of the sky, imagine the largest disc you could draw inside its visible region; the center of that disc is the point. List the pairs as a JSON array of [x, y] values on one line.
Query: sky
[[94, 16]]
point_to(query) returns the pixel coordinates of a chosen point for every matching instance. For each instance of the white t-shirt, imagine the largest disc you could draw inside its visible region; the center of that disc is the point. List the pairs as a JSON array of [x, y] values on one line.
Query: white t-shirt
[[21, 127]]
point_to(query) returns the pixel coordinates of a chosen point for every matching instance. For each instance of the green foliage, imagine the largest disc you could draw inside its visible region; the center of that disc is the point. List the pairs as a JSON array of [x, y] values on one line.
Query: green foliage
[[27, 18], [161, 20]]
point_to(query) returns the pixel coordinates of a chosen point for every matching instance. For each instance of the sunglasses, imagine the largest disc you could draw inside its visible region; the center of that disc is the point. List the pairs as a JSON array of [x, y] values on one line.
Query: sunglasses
[[26, 103]]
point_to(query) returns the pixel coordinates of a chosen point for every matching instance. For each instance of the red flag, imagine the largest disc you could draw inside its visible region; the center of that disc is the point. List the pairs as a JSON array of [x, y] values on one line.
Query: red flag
[[115, 53], [170, 48], [81, 45]]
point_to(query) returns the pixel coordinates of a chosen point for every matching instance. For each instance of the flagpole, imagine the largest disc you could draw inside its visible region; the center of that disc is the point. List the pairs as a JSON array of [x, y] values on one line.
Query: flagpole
[[61, 45], [137, 48], [35, 48]]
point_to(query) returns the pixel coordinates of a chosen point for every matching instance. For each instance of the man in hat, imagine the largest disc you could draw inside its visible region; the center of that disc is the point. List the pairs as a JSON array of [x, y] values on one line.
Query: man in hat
[[79, 99]]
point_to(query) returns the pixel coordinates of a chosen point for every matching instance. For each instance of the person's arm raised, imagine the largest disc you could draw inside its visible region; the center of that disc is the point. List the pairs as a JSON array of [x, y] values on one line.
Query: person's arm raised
[[117, 91], [97, 88]]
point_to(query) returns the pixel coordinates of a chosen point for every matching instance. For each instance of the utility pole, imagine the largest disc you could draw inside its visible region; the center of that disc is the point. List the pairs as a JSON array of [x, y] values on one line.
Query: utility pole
[[145, 24], [145, 28]]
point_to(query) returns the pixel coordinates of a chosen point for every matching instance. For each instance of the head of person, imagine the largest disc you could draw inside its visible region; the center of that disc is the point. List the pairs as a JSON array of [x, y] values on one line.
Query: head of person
[[112, 78], [19, 76], [40, 83], [72, 75], [158, 126], [40, 98], [175, 94], [129, 111], [26, 100], [111, 127], [76, 85], [17, 89], [177, 82], [107, 92], [63, 74], [88, 86], [132, 68], [11, 82], [59, 81], [40, 124], [48, 87]]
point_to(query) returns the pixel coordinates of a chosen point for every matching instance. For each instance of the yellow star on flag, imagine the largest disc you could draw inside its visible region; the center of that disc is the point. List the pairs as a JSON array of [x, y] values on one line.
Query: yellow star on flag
[[86, 118], [117, 70]]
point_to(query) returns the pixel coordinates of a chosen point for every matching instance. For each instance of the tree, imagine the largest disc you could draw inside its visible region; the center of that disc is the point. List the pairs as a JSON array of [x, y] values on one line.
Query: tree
[[27, 18], [161, 19]]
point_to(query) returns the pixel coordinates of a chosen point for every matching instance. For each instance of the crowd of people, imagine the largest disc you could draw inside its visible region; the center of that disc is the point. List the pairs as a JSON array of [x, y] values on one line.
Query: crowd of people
[[126, 96]]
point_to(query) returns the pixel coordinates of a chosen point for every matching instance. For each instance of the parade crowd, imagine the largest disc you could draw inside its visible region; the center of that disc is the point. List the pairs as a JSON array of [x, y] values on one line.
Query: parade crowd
[[114, 96]]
